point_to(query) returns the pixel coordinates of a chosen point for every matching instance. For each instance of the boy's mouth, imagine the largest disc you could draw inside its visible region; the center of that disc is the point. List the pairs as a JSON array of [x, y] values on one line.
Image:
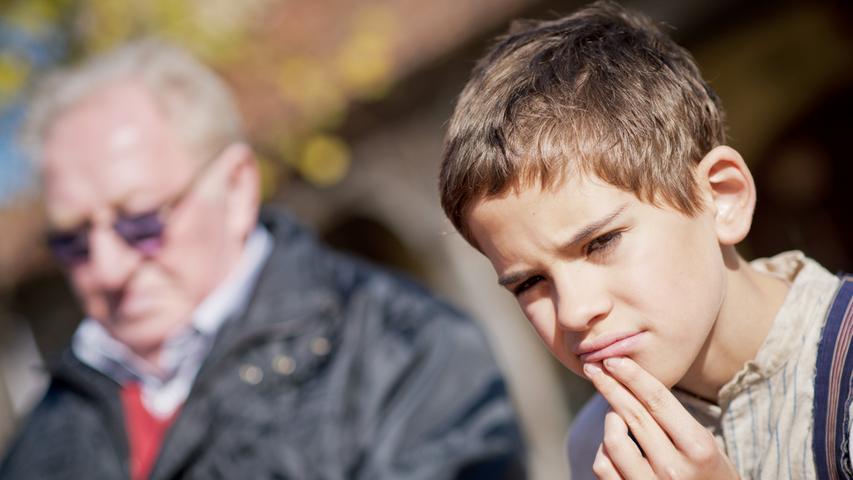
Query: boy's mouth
[[608, 345]]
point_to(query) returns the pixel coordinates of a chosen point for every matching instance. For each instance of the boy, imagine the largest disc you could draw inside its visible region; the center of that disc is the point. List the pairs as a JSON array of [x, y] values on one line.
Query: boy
[[586, 159]]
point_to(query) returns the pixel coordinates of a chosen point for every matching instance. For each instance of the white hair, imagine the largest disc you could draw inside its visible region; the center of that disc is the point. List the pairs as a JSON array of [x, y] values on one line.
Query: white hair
[[194, 99]]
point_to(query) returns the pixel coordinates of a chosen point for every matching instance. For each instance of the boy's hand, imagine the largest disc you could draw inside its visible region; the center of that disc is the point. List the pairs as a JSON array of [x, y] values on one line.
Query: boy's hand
[[674, 444]]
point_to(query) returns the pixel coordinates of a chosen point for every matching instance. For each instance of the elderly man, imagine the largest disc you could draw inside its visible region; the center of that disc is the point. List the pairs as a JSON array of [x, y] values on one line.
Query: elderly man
[[217, 345]]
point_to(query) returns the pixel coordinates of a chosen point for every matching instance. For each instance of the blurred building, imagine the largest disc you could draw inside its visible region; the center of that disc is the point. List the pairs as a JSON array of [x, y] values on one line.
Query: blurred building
[[347, 102]]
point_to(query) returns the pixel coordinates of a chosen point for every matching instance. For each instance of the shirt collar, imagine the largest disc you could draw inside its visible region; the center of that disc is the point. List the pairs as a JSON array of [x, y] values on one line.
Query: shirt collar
[[808, 298], [232, 295]]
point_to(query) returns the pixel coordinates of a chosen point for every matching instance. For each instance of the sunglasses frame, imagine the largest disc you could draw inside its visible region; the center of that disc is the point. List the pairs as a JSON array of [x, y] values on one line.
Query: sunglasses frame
[[71, 246]]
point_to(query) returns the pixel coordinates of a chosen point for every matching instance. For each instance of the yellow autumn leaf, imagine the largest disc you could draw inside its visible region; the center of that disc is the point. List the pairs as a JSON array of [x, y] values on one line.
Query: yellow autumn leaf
[[324, 160]]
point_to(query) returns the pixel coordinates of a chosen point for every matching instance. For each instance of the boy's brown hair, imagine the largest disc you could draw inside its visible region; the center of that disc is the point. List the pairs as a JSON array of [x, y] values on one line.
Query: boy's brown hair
[[602, 91]]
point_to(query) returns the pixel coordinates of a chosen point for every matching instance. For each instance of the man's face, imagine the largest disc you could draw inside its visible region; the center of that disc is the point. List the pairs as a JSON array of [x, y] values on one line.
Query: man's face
[[599, 273], [114, 154]]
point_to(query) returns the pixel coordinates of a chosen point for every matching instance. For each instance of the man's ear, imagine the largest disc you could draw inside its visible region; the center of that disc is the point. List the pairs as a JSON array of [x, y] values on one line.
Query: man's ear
[[243, 195], [729, 190]]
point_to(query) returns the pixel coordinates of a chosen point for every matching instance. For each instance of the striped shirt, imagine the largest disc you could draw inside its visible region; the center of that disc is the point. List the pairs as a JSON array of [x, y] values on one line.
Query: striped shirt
[[764, 417]]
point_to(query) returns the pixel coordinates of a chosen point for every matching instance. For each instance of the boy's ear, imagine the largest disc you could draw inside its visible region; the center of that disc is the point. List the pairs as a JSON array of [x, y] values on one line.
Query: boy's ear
[[729, 189]]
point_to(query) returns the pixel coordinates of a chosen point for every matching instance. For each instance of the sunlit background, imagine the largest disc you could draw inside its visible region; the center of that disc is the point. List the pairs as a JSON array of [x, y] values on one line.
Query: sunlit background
[[346, 103]]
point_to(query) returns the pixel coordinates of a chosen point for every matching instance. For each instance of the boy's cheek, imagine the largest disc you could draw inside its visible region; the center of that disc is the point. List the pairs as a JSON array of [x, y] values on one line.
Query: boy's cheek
[[555, 339], [543, 322]]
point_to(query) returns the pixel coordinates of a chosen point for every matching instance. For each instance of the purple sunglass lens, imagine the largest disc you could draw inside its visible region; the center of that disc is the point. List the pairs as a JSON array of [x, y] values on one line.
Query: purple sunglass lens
[[144, 232], [69, 247]]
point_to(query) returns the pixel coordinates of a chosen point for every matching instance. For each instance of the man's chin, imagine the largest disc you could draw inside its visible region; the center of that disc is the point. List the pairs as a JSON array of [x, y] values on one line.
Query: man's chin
[[141, 335], [146, 347]]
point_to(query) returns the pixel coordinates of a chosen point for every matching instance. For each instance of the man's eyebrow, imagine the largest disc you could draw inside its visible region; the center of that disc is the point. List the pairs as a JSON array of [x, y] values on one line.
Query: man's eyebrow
[[582, 235]]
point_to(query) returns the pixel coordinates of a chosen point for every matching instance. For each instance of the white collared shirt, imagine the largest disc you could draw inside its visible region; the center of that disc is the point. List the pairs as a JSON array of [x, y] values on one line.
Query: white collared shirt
[[165, 388]]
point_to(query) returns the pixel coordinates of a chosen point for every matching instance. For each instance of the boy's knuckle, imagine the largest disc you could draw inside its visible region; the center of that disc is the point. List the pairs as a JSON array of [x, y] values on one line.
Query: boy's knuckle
[[611, 440], [635, 418], [658, 401], [600, 465], [675, 472], [704, 451]]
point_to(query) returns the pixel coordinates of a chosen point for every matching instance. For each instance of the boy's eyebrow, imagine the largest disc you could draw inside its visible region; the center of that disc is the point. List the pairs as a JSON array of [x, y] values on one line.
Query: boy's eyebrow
[[582, 235], [510, 278], [592, 228]]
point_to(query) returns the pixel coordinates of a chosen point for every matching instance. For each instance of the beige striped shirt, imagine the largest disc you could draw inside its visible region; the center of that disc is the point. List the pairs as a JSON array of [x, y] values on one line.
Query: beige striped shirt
[[764, 417]]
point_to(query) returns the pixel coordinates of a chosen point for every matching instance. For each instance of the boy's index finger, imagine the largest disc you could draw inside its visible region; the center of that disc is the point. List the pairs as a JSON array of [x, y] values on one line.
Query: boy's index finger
[[658, 400]]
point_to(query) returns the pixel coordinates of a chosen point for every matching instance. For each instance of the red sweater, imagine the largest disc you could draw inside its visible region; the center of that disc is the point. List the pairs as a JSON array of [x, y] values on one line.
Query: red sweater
[[144, 431]]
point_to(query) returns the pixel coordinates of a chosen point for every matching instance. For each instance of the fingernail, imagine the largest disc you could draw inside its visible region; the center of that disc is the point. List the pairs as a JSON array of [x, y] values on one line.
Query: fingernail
[[591, 370], [612, 362]]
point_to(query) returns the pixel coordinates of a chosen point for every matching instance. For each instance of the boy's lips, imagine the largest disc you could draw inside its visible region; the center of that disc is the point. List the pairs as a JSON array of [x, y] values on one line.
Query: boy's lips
[[609, 345]]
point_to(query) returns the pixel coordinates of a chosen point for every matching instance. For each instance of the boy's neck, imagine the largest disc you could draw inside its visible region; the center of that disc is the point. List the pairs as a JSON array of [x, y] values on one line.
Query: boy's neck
[[751, 301]]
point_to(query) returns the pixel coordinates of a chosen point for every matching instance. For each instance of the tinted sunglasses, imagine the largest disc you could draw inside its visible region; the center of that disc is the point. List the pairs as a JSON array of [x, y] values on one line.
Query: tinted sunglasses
[[142, 231]]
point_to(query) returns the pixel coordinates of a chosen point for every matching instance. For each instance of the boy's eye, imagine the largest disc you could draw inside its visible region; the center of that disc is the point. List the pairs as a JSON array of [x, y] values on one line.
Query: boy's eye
[[527, 284], [603, 243]]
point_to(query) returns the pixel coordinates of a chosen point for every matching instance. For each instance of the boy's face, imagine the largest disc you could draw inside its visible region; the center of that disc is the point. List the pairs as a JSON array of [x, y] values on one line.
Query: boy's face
[[599, 273]]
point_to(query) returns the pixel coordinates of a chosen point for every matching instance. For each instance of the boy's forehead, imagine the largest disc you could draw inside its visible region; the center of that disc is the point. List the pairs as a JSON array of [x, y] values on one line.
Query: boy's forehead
[[553, 213], [542, 211]]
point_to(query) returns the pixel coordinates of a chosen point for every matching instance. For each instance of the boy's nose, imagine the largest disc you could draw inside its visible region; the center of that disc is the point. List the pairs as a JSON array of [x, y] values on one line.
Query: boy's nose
[[581, 302]]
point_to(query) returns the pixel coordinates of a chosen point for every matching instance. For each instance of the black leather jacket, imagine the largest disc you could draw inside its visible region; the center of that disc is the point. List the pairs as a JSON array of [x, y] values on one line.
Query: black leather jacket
[[336, 370]]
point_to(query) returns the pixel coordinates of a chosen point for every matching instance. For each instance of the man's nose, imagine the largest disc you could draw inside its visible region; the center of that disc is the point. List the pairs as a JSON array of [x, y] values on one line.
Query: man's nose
[[581, 301], [111, 259]]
